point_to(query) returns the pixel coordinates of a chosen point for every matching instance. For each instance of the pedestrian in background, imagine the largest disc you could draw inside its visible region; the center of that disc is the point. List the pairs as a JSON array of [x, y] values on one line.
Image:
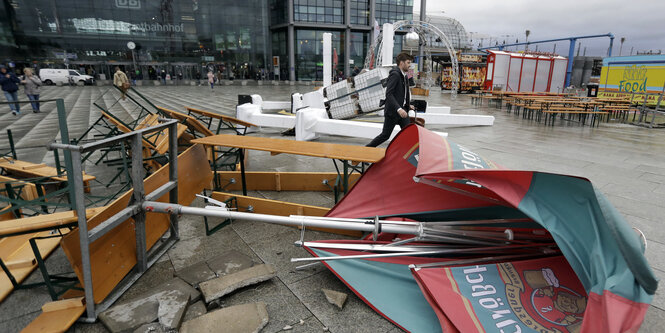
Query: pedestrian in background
[[211, 79], [9, 83], [121, 81], [32, 84]]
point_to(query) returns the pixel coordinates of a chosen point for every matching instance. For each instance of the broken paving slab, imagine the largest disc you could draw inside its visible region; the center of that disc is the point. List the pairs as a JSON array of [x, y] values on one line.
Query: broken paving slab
[[230, 262], [195, 310], [244, 318], [145, 308], [132, 314], [171, 310], [151, 328], [216, 288], [335, 297], [179, 284], [196, 273]]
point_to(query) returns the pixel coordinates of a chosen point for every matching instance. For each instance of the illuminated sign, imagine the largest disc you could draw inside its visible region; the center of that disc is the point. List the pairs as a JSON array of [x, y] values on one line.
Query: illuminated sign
[[94, 25]]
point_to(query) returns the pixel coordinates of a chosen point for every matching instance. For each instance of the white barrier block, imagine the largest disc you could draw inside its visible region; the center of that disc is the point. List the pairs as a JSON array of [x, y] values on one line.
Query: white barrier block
[[311, 123], [252, 113], [438, 109], [276, 105], [456, 119]]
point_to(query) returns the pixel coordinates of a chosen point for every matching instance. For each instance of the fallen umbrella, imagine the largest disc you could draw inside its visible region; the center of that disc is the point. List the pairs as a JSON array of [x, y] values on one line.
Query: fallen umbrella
[[430, 193]]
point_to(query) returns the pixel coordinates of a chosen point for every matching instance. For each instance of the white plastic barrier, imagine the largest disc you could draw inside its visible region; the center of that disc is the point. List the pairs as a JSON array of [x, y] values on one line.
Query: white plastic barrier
[[312, 122], [456, 119], [252, 113]]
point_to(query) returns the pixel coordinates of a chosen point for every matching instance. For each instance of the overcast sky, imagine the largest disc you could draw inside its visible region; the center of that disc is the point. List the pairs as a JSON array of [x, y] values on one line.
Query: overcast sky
[[641, 22]]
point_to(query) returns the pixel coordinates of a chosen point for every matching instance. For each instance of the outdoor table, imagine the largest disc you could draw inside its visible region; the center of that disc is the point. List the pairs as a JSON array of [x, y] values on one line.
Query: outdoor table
[[349, 155]]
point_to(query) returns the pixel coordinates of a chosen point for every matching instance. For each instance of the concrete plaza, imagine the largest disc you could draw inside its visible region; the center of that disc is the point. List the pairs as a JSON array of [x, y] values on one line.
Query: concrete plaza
[[626, 162]]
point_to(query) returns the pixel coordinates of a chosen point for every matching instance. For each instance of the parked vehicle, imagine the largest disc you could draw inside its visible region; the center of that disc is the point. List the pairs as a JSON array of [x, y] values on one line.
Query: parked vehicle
[[65, 76]]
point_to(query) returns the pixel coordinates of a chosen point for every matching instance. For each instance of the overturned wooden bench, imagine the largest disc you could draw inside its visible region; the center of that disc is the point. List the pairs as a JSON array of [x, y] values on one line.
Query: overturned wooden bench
[[33, 170]]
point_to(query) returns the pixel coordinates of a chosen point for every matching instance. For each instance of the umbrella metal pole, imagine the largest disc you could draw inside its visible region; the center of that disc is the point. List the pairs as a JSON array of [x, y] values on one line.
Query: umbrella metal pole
[[162, 207]]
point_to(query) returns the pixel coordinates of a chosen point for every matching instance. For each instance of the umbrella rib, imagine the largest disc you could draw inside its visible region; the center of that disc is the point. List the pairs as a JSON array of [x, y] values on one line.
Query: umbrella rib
[[484, 259]]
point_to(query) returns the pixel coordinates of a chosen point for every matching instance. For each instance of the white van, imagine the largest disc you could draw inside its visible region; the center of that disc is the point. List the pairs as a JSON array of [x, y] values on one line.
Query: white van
[[52, 76]]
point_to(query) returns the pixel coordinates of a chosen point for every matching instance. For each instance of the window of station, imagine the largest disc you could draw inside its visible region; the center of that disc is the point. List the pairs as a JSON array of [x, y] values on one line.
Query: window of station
[[320, 11]]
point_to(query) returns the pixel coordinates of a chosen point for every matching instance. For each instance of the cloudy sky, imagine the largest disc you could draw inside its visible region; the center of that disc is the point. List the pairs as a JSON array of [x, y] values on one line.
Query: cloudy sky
[[641, 22]]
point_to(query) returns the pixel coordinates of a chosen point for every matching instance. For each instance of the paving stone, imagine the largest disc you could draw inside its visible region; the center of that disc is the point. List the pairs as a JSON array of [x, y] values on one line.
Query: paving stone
[[130, 315], [179, 284], [216, 288], [250, 317], [230, 262], [195, 310], [145, 308], [335, 297], [196, 273], [151, 328], [171, 309]]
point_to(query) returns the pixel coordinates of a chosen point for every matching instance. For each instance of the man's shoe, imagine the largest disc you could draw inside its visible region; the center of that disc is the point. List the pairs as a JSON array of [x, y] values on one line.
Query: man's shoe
[[35, 111], [16, 113]]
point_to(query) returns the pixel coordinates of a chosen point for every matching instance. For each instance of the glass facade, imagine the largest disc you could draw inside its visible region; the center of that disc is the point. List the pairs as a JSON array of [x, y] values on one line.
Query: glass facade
[[388, 11], [280, 50], [309, 53], [176, 35], [319, 11], [360, 12], [279, 12], [189, 37]]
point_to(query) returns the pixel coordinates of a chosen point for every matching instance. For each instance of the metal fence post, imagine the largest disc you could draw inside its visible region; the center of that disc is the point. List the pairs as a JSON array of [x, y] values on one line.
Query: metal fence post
[[10, 137], [139, 197], [64, 139], [76, 192], [173, 175]]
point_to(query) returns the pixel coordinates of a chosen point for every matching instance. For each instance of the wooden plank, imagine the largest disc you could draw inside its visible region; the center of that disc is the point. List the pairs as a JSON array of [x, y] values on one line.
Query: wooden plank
[[221, 116], [62, 304], [191, 122], [162, 143], [23, 168], [57, 320], [20, 263], [44, 221], [34, 166], [274, 207], [306, 148], [281, 181], [114, 254], [29, 191]]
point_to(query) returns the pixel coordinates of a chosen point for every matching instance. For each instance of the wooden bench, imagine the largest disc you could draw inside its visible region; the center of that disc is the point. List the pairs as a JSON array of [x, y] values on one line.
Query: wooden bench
[[15, 249], [551, 113], [158, 142], [57, 316], [228, 121], [32, 170], [345, 153], [192, 123], [27, 192]]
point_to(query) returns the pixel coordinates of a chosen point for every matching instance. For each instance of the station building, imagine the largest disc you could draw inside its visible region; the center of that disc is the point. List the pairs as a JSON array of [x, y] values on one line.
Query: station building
[[250, 39]]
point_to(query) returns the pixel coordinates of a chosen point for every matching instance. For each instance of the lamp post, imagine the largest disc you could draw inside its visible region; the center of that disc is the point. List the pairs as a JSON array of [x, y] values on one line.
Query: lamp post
[[623, 39], [132, 46]]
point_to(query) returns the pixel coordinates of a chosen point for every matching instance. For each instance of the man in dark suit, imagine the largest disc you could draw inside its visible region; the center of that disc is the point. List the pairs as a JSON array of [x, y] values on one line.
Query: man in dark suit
[[397, 102]]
